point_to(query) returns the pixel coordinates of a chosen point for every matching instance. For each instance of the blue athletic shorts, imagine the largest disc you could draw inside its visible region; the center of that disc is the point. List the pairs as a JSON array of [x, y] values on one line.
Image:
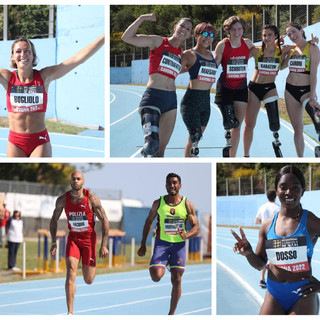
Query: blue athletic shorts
[[165, 251], [286, 293], [162, 99]]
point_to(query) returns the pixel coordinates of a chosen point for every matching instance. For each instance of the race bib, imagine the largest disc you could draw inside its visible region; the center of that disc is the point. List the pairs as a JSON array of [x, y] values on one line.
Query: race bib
[[170, 64], [237, 68], [297, 63], [172, 226], [79, 223], [207, 71], [289, 254], [27, 99], [268, 66]]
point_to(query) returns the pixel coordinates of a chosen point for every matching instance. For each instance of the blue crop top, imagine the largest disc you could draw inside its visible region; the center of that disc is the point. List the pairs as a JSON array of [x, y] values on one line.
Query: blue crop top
[[293, 252], [203, 69]]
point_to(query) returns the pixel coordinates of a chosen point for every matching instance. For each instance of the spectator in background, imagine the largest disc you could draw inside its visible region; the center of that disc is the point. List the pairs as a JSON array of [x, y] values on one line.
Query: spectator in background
[[3, 223], [14, 228], [267, 211]]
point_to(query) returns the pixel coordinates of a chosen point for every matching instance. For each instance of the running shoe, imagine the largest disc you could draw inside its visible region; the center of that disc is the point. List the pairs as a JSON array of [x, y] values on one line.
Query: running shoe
[[263, 284]]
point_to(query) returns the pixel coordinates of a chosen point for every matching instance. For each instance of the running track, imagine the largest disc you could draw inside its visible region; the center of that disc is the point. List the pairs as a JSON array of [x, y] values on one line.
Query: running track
[[238, 290], [126, 137], [129, 293], [89, 144]]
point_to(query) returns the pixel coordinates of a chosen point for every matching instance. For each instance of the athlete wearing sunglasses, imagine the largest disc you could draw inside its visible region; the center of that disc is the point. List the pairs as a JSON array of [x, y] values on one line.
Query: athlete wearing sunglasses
[[195, 105]]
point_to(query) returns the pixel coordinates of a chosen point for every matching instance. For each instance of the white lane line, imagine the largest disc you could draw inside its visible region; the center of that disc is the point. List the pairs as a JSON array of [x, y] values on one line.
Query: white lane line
[[244, 283], [195, 311], [126, 116], [168, 283], [142, 301]]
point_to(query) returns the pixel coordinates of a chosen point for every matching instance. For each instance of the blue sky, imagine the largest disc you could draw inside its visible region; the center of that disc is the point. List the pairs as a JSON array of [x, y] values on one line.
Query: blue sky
[[146, 181]]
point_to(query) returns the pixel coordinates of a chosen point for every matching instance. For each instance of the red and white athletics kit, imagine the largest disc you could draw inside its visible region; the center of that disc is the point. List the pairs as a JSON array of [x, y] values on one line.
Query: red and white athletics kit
[[82, 239]]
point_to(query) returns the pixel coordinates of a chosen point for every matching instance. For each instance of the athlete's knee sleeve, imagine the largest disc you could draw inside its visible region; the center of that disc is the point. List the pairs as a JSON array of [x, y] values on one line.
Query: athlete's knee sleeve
[[229, 118], [195, 135], [150, 117], [314, 114], [272, 108]]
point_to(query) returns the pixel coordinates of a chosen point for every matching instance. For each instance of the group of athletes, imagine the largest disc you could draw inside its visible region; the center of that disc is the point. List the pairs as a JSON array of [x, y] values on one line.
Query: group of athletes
[[236, 100], [81, 207]]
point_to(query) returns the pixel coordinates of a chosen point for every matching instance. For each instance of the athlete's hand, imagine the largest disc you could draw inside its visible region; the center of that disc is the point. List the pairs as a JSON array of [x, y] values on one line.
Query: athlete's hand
[[183, 234], [103, 252], [142, 251], [53, 249], [243, 246], [149, 17], [310, 288], [314, 39]]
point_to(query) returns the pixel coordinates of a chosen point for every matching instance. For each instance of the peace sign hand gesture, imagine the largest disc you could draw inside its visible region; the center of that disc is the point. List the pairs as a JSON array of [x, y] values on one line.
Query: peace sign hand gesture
[[243, 246]]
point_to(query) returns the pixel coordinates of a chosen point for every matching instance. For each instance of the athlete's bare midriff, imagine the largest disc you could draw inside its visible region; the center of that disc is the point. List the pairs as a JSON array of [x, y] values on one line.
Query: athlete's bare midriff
[[159, 81], [27, 123]]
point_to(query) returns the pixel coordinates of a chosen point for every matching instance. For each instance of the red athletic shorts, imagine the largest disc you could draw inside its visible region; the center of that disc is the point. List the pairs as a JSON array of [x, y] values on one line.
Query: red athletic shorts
[[84, 246], [28, 142]]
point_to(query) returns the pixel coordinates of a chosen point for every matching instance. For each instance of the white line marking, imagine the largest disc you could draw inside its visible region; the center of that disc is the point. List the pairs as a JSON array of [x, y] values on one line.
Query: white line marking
[[76, 148], [126, 116], [113, 97], [244, 283], [195, 311], [142, 301]]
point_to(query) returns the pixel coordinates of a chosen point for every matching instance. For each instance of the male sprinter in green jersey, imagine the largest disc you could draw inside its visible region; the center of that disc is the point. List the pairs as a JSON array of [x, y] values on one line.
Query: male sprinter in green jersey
[[172, 210]]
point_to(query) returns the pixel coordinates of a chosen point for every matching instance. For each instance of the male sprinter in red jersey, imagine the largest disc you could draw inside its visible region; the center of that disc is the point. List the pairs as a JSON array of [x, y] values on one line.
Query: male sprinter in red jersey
[[172, 210], [81, 207]]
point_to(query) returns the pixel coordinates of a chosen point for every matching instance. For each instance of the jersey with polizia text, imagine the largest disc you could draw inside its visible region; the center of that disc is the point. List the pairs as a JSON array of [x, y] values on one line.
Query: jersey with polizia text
[[26, 97], [292, 253], [171, 219], [165, 60], [268, 65], [234, 65], [81, 219]]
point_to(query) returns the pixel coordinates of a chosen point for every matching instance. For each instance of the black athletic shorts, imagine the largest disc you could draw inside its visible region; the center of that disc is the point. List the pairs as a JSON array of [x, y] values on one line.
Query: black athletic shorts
[[226, 96]]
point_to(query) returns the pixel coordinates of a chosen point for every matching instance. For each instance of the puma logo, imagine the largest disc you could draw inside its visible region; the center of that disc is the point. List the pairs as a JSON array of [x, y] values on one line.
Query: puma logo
[[91, 259], [83, 206], [43, 138]]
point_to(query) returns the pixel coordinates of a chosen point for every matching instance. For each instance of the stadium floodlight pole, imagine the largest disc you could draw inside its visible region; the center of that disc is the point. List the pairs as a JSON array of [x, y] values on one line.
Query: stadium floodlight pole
[[5, 22]]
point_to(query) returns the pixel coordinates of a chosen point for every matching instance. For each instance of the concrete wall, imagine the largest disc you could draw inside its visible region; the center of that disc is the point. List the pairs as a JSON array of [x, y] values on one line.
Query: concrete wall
[[78, 97], [139, 69], [242, 210]]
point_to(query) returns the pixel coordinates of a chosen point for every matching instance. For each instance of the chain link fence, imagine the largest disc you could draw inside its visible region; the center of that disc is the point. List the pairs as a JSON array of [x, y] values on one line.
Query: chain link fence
[[259, 184], [31, 21], [279, 15]]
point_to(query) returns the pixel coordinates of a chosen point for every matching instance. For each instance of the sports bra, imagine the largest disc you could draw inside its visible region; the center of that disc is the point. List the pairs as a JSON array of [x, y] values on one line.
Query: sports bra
[[203, 69], [26, 97], [165, 60], [268, 65], [300, 63]]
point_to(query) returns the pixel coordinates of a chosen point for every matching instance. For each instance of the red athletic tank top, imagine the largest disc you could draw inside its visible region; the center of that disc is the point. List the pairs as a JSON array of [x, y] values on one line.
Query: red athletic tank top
[[165, 60], [26, 97], [81, 219], [234, 65]]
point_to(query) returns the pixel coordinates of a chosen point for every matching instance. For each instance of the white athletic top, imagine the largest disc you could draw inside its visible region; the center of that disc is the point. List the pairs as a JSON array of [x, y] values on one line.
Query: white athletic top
[[267, 210], [15, 232]]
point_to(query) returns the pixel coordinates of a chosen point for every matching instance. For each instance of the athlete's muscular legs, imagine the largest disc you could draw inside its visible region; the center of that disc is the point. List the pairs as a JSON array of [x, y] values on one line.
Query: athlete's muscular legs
[[176, 276], [14, 151], [156, 274], [239, 110], [166, 126], [271, 306], [70, 285], [250, 122], [89, 273], [295, 112], [44, 150]]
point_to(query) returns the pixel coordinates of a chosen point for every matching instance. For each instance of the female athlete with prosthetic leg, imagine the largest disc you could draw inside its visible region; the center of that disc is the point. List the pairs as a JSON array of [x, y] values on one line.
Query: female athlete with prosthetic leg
[[301, 85], [268, 59], [158, 107], [202, 68], [231, 90]]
